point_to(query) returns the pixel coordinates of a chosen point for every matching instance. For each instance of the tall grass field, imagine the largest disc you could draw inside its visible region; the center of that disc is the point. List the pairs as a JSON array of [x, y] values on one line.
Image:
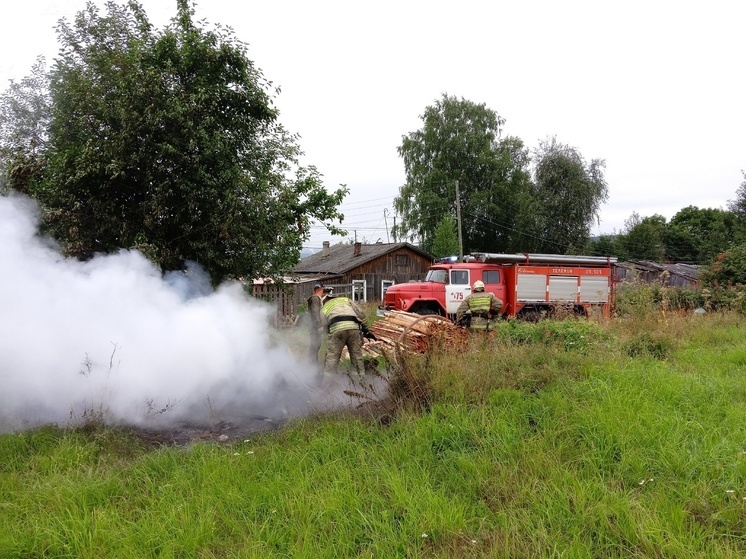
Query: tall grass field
[[581, 438]]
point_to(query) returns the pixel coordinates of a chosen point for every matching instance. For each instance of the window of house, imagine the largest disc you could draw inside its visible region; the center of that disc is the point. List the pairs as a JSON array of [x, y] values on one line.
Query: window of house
[[401, 259], [359, 291], [385, 284]]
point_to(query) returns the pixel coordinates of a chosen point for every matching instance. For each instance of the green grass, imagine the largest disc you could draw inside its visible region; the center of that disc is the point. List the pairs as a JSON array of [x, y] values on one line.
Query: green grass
[[573, 439]]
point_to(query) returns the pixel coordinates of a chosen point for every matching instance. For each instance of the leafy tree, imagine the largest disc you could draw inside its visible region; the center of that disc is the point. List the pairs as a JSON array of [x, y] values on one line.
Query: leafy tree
[[738, 208], [567, 197], [460, 142], [697, 235], [606, 245], [643, 237], [24, 121], [498, 214], [168, 141], [728, 269], [445, 238]]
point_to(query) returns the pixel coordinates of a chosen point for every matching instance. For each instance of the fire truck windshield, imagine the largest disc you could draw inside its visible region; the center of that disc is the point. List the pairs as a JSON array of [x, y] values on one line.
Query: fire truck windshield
[[437, 275]]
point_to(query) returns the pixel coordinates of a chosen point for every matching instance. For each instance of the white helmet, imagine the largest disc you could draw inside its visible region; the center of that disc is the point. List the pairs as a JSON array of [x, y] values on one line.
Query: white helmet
[[478, 285]]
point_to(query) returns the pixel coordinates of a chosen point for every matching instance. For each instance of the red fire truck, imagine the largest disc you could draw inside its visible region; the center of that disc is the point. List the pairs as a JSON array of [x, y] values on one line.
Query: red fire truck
[[531, 286]]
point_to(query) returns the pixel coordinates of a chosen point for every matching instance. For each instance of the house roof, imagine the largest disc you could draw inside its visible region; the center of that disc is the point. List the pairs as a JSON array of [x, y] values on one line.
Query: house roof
[[340, 258]]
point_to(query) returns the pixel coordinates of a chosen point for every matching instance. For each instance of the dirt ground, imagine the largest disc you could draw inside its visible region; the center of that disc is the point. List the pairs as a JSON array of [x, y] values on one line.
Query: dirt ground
[[339, 395]]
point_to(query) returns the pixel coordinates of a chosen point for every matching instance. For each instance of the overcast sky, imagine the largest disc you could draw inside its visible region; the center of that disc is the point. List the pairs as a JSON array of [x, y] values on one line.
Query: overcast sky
[[654, 88]]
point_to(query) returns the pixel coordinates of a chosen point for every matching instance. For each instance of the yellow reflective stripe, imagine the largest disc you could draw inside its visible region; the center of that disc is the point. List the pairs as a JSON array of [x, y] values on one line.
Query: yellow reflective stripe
[[339, 307], [334, 303], [479, 304], [343, 325]]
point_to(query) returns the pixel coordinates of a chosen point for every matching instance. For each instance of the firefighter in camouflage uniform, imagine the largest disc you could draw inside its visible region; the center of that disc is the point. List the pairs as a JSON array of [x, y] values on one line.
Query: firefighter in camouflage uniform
[[482, 307], [343, 319]]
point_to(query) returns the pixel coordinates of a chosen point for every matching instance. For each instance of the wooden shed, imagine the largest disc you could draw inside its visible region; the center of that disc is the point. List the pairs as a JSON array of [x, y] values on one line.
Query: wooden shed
[[668, 275], [367, 270]]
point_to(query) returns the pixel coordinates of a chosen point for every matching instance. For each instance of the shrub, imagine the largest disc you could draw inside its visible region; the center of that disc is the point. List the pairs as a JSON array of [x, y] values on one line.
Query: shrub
[[638, 299], [724, 298], [728, 269], [682, 298]]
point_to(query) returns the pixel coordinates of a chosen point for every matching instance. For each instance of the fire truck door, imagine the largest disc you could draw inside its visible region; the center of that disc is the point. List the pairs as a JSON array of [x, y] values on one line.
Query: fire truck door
[[457, 289]]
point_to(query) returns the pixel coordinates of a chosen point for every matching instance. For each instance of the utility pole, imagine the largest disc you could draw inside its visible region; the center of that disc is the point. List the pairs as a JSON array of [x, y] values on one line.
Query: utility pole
[[386, 223], [458, 220]]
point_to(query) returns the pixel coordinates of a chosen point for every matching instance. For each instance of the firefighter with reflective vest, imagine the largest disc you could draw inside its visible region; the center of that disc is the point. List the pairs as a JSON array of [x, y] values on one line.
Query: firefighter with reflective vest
[[479, 309], [343, 320]]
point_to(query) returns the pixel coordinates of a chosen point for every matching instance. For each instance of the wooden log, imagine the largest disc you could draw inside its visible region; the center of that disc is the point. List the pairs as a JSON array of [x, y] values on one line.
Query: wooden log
[[416, 333]]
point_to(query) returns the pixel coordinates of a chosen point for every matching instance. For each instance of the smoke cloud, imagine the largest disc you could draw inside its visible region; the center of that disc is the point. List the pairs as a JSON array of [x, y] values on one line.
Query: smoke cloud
[[114, 337]]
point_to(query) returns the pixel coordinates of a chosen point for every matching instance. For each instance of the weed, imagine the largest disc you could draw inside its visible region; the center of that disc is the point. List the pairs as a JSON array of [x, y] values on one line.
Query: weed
[[409, 383], [648, 344], [153, 409], [640, 300]]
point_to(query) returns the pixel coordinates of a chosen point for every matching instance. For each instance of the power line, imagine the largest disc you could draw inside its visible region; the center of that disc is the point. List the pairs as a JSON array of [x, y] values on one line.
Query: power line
[[361, 227]]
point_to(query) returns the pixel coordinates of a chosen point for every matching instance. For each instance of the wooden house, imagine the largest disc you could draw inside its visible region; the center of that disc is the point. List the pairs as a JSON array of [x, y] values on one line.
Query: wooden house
[[362, 271]]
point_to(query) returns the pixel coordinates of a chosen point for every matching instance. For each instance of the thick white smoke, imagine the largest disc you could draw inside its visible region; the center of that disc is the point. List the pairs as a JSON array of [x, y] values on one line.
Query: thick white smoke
[[111, 336]]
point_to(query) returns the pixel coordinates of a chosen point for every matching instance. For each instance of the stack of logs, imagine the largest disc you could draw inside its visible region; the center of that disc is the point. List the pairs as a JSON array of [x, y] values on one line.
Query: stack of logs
[[413, 333]]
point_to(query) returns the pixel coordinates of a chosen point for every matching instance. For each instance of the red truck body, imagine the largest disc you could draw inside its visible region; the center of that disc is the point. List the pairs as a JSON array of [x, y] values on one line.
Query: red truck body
[[530, 285]]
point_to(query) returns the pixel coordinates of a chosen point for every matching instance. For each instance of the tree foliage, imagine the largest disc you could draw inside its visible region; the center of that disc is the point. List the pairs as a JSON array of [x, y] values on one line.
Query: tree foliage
[[24, 122], [728, 269], [502, 209], [643, 237], [168, 141], [738, 208], [697, 235], [606, 245], [497, 215], [693, 236], [445, 238], [567, 197], [460, 142]]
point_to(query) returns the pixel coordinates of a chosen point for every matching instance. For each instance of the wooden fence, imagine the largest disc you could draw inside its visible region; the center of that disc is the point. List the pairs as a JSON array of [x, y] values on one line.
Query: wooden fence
[[289, 299]]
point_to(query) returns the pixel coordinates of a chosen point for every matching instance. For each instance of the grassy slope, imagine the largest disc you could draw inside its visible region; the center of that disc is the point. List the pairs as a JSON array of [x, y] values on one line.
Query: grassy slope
[[570, 439]]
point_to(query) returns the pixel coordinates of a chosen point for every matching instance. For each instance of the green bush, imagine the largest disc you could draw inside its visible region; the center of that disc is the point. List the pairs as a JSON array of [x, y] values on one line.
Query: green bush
[[639, 299], [724, 298], [683, 298], [729, 269], [725, 281], [636, 299]]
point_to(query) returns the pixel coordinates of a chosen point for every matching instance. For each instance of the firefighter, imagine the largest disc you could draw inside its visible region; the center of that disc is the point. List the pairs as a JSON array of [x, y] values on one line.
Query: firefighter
[[314, 313], [481, 307], [343, 319]]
